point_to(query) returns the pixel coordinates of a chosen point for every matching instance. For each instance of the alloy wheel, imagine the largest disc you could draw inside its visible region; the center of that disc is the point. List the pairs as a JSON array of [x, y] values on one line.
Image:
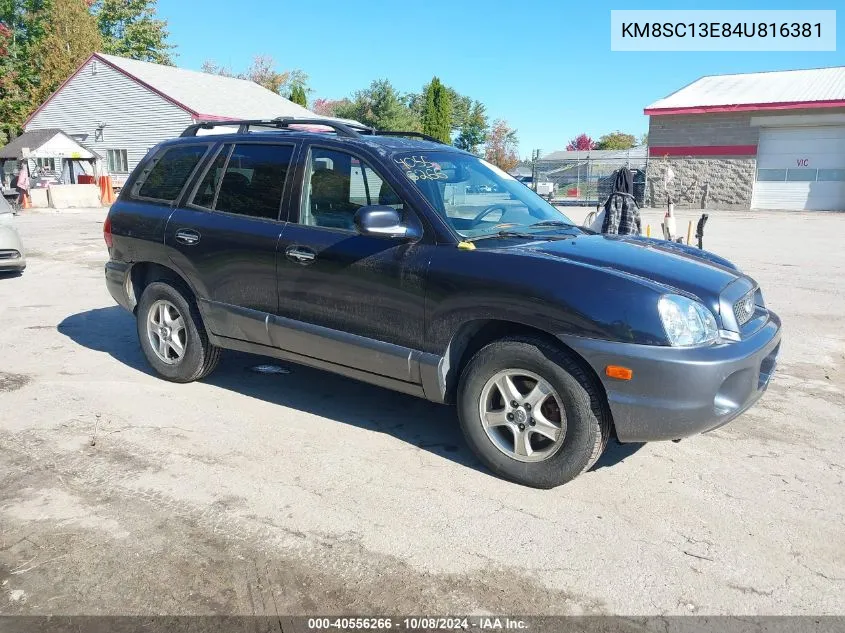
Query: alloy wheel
[[166, 331], [522, 415]]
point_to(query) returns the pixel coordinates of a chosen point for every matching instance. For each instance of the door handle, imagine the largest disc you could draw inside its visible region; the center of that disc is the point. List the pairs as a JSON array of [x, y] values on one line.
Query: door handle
[[300, 255], [187, 237]]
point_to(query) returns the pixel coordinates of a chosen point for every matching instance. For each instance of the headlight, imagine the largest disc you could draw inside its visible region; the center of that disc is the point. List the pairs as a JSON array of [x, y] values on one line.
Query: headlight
[[687, 322]]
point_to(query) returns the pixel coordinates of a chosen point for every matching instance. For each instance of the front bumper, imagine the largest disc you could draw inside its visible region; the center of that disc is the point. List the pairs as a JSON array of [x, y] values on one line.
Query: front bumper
[[12, 260], [677, 392]]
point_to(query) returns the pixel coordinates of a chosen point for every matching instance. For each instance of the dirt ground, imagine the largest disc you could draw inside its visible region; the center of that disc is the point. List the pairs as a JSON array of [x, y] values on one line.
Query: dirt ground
[[303, 492]]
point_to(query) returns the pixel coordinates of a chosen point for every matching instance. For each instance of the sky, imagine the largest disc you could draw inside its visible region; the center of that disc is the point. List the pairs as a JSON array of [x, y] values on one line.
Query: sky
[[544, 66]]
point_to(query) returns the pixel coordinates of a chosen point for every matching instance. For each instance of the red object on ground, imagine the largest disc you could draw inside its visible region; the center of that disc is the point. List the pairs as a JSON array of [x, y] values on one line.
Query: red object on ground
[[84, 179], [572, 193]]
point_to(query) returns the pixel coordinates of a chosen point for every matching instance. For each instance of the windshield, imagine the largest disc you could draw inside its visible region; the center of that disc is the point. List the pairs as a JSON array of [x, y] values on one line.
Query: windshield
[[478, 198]]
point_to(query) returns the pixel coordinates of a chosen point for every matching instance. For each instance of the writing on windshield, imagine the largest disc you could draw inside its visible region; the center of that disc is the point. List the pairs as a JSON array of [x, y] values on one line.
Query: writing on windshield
[[420, 168]]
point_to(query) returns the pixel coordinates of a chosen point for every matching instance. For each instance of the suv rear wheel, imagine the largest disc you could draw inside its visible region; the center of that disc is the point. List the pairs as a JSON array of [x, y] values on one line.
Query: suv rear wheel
[[172, 334], [531, 413]]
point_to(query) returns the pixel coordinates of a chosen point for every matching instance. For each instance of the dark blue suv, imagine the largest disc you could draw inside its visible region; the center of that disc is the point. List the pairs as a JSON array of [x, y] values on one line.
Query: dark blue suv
[[403, 262]]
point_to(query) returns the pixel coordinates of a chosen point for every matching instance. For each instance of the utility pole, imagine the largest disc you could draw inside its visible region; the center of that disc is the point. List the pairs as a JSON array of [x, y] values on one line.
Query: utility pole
[[535, 156]]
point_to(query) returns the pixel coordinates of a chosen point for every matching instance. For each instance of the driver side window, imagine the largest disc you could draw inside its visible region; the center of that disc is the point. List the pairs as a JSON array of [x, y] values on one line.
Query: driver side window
[[336, 185]]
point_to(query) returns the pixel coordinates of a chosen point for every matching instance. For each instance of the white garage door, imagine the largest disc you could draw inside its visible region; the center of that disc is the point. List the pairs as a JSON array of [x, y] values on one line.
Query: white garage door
[[800, 168]]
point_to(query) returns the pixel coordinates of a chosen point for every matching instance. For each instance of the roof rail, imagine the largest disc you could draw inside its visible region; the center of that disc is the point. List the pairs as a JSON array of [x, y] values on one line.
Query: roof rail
[[425, 137], [281, 123]]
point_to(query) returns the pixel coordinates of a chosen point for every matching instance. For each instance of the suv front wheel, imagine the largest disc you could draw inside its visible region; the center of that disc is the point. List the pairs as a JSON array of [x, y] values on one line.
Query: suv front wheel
[[531, 413], [172, 334]]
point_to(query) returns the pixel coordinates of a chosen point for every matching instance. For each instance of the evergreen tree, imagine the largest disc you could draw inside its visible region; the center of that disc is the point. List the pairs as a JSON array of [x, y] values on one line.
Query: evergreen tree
[[437, 112], [297, 95], [379, 106]]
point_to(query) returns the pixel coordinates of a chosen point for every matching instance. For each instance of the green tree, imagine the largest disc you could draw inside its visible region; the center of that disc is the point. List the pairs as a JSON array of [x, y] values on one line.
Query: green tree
[[461, 106], [501, 146], [70, 36], [379, 106], [473, 132], [616, 140], [22, 25], [131, 29], [297, 95], [437, 112]]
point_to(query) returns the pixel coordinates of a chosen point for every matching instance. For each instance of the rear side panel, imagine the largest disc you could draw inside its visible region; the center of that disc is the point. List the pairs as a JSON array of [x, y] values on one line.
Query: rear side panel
[[138, 231]]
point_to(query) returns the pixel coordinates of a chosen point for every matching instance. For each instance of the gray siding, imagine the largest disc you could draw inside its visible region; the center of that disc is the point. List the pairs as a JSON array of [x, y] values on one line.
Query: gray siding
[[136, 118]]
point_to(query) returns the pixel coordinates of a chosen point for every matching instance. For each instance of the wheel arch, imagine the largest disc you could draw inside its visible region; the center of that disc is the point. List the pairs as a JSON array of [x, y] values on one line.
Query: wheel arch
[[475, 334], [142, 274]]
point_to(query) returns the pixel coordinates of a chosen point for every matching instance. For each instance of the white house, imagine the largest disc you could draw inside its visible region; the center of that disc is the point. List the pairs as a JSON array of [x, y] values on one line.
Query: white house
[[120, 108]]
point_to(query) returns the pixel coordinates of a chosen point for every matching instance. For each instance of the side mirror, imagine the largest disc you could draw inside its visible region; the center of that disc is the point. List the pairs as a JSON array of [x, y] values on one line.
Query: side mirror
[[379, 220]]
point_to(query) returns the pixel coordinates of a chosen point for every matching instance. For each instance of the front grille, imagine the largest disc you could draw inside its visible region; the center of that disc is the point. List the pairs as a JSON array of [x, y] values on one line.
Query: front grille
[[9, 254], [744, 309]]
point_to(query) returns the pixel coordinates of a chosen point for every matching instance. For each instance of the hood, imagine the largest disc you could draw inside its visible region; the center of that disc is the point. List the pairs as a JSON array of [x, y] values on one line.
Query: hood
[[670, 264]]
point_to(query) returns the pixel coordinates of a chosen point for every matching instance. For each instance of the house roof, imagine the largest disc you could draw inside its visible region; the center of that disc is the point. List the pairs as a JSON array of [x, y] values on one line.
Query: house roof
[[780, 90], [36, 139], [598, 154], [203, 95]]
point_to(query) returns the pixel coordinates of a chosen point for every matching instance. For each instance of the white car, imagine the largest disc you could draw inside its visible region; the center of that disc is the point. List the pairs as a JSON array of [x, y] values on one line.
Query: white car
[[544, 188], [12, 258]]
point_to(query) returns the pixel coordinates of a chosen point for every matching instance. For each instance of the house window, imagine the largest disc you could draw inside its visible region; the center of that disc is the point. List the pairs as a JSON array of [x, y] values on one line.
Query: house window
[[45, 164], [118, 162]]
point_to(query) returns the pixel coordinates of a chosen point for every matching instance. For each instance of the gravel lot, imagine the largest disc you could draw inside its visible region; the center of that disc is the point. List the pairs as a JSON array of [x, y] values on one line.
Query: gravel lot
[[305, 492]]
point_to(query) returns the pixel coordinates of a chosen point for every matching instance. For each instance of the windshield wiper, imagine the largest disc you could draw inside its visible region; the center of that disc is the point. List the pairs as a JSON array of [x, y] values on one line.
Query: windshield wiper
[[519, 235], [553, 223]]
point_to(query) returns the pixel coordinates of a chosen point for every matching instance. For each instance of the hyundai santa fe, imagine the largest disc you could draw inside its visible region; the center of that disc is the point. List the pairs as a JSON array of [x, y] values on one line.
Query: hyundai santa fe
[[400, 261]]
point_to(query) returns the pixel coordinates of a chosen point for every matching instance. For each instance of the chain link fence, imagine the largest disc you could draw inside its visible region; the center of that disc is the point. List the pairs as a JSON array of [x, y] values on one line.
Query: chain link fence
[[588, 180]]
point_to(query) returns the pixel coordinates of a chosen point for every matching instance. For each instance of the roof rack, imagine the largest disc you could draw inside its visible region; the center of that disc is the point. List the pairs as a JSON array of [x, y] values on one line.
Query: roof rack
[[349, 130], [281, 123], [425, 137]]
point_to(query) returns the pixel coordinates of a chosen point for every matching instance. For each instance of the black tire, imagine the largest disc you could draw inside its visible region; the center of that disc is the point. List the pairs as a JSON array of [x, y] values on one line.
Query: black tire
[[200, 357], [588, 419]]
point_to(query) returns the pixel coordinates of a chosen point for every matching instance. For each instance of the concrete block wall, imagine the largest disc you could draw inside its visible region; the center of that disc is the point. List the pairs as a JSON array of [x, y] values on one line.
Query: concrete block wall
[[702, 129], [702, 183]]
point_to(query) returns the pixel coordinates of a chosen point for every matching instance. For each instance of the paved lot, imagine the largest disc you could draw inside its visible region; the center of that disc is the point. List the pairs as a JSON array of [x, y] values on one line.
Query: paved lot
[[292, 493]]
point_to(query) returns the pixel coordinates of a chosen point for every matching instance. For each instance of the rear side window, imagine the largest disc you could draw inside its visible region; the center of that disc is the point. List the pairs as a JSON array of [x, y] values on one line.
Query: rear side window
[[246, 179], [168, 172]]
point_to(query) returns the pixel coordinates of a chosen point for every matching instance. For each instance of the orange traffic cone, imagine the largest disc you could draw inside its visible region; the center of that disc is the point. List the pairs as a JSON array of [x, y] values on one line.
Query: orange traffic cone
[[110, 190], [25, 203]]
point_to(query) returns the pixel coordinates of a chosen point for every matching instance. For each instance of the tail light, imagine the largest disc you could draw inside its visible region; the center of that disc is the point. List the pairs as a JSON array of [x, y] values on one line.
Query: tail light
[[107, 232]]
